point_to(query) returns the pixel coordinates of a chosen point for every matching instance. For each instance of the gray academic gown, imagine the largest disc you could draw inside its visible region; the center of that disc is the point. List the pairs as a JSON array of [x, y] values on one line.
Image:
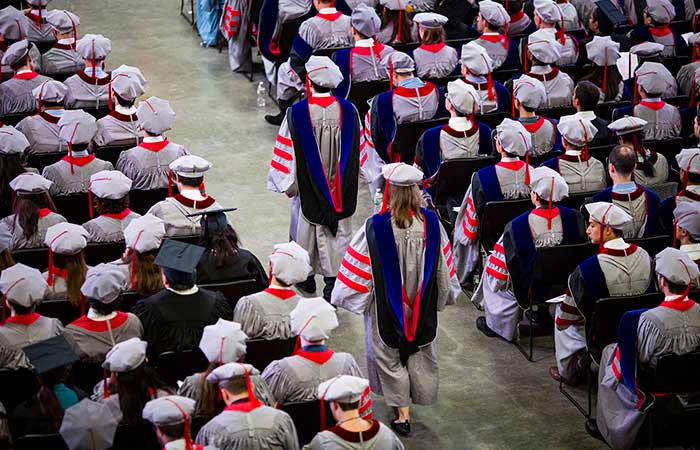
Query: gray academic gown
[[118, 129], [41, 130], [85, 91], [660, 165], [368, 66], [661, 330], [661, 124], [17, 335], [108, 228], [7, 71], [438, 62], [518, 26], [11, 231], [378, 437], [497, 47], [65, 182], [265, 315], [416, 382], [295, 379], [262, 428], [456, 144], [147, 164], [61, 59], [191, 388], [558, 85], [543, 133], [685, 78], [486, 104], [234, 27], [16, 94], [92, 339], [174, 211], [581, 175], [59, 289], [634, 204], [624, 276], [36, 32]]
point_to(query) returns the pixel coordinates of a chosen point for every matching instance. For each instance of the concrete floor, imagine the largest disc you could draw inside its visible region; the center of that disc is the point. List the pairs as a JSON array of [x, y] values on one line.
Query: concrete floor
[[490, 396]]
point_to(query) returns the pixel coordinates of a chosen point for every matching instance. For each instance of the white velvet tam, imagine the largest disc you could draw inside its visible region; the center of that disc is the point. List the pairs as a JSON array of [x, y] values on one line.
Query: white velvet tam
[[126, 355], [128, 82], [602, 51], [42, 3], [529, 91], [544, 47], [343, 388], [323, 71], [401, 174], [12, 23], [313, 319], [689, 160], [103, 283], [576, 131], [365, 20], [23, 285], [430, 20], [608, 214], [647, 49], [627, 125], [16, 52], [111, 184], [12, 141], [223, 374], [654, 78], [462, 96], [548, 10], [676, 266], [66, 238], [394, 5], [494, 13], [94, 46], [476, 59], [400, 62], [513, 137], [547, 183], [144, 233], [50, 91], [190, 166], [155, 115], [687, 216], [290, 263], [169, 410], [89, 425], [224, 342], [662, 11], [30, 183], [77, 127], [62, 21]]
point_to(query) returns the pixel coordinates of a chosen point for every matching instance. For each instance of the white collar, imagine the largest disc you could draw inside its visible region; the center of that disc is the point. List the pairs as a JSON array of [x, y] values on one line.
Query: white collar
[[573, 152], [509, 159], [460, 123], [97, 317], [674, 297], [124, 110], [175, 445], [616, 244], [541, 69], [193, 194], [193, 290], [328, 11], [278, 286], [369, 42], [80, 154], [586, 115], [67, 41], [652, 99], [37, 13], [160, 138], [694, 188], [23, 71], [490, 33], [691, 249], [322, 94]]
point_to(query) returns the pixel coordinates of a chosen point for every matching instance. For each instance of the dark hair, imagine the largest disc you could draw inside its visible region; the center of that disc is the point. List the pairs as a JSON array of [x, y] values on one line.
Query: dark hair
[[178, 280], [528, 108], [348, 406], [587, 94], [103, 308], [110, 206], [148, 133], [433, 36], [124, 102], [235, 385], [27, 211], [390, 16], [320, 89], [46, 104], [634, 140], [6, 260], [209, 404], [176, 431], [612, 81], [10, 167], [221, 245], [623, 159], [693, 178], [148, 276], [23, 61], [79, 147], [76, 271], [649, 94], [191, 182], [135, 389], [675, 288], [514, 6], [47, 397], [604, 24], [22, 310], [617, 232]]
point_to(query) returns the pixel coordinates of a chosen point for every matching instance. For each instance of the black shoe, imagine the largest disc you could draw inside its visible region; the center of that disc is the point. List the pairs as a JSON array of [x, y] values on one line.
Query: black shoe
[[308, 286], [592, 429], [403, 428], [275, 120], [328, 283], [481, 326]]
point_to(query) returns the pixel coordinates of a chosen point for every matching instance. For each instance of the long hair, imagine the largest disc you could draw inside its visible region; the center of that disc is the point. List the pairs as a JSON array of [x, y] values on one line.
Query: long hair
[[6, 260], [10, 167], [47, 398], [209, 404], [148, 276], [27, 210], [634, 140], [76, 270], [392, 17], [221, 245], [612, 81], [136, 388], [404, 202], [430, 36], [109, 206]]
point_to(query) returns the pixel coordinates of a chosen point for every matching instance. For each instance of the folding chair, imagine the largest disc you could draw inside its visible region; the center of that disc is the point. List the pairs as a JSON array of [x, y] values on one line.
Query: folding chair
[[361, 93], [32, 257], [41, 441], [575, 201], [674, 64], [307, 419], [407, 136], [260, 352], [234, 290], [111, 152], [556, 113], [652, 245], [24, 385], [141, 200], [605, 110], [495, 218], [40, 160], [493, 119], [602, 152], [74, 207], [138, 435], [96, 253], [98, 113], [62, 310], [175, 366]]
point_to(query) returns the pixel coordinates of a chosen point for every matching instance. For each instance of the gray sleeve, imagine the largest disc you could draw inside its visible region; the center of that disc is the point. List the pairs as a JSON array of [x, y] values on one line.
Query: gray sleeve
[[287, 432]]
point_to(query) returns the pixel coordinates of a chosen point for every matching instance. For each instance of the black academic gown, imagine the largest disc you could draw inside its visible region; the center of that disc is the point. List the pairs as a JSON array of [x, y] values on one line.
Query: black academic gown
[[244, 266]]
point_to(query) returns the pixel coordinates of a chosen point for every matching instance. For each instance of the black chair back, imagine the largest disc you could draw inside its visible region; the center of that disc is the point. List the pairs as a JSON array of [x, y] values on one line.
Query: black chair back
[[360, 93], [679, 101], [307, 419], [32, 257], [96, 253], [62, 310], [260, 352], [652, 245], [111, 152], [493, 119], [504, 75], [495, 218], [141, 200], [605, 110], [602, 152], [678, 374], [667, 147], [288, 33], [575, 201], [18, 386], [176, 366], [41, 441], [455, 175], [556, 113], [189, 239], [40, 160], [136, 436], [407, 136], [98, 113], [74, 207], [85, 375], [128, 300], [233, 290], [14, 119]]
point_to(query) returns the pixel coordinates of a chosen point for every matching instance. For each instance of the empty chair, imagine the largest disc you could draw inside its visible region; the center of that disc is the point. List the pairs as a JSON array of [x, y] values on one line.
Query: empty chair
[[260, 352], [176, 366], [140, 201], [233, 290], [307, 419], [74, 207], [496, 217]]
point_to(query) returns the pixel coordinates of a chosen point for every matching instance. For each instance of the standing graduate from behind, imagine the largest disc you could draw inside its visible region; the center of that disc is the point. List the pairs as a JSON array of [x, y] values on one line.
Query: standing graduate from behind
[[62, 58], [16, 95], [110, 189], [317, 162], [41, 129], [121, 127], [89, 88], [398, 273]]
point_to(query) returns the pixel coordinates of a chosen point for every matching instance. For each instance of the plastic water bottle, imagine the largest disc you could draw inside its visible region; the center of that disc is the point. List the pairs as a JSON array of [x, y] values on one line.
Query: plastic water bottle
[[378, 200], [262, 93]]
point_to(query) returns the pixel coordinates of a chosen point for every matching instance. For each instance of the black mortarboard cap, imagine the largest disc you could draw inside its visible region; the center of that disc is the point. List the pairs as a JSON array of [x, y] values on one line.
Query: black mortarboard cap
[[610, 11], [213, 219], [50, 354], [179, 256]]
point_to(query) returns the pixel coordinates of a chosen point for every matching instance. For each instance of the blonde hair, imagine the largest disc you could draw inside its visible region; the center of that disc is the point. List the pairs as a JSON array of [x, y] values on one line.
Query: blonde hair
[[404, 201]]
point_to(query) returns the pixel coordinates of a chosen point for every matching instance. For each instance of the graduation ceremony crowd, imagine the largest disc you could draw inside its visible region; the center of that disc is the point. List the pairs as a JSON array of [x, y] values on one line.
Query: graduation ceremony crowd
[[576, 121]]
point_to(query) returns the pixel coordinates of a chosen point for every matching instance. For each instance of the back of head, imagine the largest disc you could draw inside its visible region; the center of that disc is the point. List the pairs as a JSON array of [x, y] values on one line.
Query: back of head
[[624, 159], [178, 280], [587, 94]]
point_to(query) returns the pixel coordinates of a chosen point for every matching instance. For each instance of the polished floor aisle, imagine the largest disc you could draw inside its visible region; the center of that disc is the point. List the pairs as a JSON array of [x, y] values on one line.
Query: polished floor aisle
[[490, 396]]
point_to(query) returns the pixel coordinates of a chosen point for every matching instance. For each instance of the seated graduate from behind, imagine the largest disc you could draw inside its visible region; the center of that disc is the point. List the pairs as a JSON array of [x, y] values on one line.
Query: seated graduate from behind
[[120, 126], [38, 29], [543, 52], [492, 18], [95, 333], [265, 315], [434, 59], [89, 88], [178, 212], [652, 167], [658, 16], [506, 180], [689, 167], [352, 431], [548, 15], [245, 422], [582, 172], [687, 230], [13, 146], [547, 225], [672, 327], [33, 212], [637, 201], [16, 93], [585, 98], [173, 319], [147, 164], [520, 23], [221, 343], [171, 417], [24, 288], [604, 53], [476, 67], [71, 175], [66, 268], [223, 260], [688, 76], [42, 129], [620, 269], [62, 58], [13, 28], [663, 119], [397, 26], [529, 95], [109, 190]]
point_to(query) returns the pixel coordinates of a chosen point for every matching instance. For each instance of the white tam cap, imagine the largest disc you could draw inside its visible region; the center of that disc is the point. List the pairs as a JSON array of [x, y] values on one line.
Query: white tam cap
[[548, 10], [547, 183], [313, 319], [224, 342], [126, 355], [627, 125], [12, 141], [155, 115], [290, 263], [23, 285], [169, 410], [530, 92], [30, 183], [343, 388], [687, 216], [94, 46], [430, 20], [89, 425], [462, 96], [144, 233], [323, 72], [689, 160], [654, 78], [76, 127], [128, 82], [62, 21], [576, 131], [66, 238], [662, 11], [50, 91], [647, 49], [476, 59], [493, 13], [110, 184], [544, 46], [608, 214], [103, 283], [513, 137], [223, 374], [400, 62], [190, 166], [676, 266], [602, 51], [401, 174]]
